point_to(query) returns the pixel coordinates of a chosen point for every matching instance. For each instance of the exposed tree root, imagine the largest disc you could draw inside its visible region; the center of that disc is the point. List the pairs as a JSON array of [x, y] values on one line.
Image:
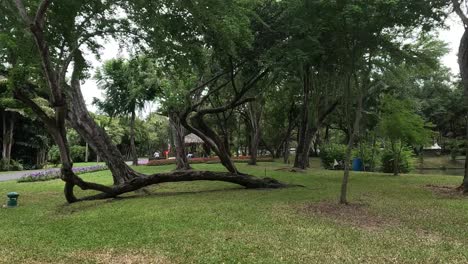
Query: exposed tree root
[[136, 183]]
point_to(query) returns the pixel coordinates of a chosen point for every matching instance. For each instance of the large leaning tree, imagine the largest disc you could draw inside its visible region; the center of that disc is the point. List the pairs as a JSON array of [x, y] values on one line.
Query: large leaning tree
[[60, 31], [126, 90], [224, 56]]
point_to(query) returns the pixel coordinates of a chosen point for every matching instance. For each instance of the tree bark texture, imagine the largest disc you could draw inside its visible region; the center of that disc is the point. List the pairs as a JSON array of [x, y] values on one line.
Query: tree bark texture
[[178, 135], [463, 63], [133, 150], [96, 136], [302, 152], [8, 132]]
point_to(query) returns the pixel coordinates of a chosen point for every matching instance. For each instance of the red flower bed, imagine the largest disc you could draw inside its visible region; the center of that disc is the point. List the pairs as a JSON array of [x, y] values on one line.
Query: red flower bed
[[240, 159]]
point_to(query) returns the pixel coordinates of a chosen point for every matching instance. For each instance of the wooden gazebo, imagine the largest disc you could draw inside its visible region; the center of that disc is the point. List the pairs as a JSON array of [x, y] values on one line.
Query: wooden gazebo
[[192, 139], [194, 144]]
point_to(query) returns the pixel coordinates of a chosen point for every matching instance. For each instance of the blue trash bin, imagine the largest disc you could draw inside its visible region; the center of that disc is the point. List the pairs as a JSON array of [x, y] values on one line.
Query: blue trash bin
[[357, 164]]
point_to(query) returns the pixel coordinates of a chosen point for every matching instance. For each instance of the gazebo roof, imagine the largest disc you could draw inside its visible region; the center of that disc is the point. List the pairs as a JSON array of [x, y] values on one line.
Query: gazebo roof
[[193, 139]]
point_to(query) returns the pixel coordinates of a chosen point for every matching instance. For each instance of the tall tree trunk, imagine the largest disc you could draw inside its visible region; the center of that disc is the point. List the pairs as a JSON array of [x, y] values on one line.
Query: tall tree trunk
[[353, 133], [463, 63], [178, 135], [95, 136], [133, 150], [465, 177], [199, 127], [60, 138], [327, 134], [286, 151], [302, 152], [8, 132], [396, 160]]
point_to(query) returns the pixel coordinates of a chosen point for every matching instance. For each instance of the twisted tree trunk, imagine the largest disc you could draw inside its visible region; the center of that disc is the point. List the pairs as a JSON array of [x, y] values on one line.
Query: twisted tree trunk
[[95, 136], [178, 134], [125, 179]]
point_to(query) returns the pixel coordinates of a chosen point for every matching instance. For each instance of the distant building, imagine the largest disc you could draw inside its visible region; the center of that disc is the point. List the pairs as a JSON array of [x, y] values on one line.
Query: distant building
[[432, 150]]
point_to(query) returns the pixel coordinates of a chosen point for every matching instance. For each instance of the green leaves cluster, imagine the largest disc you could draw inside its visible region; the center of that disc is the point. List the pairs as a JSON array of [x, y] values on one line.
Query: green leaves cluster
[[401, 123]]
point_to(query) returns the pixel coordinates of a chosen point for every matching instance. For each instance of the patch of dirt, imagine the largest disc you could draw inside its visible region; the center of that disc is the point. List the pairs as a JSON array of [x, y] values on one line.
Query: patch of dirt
[[445, 191], [118, 257], [357, 215]]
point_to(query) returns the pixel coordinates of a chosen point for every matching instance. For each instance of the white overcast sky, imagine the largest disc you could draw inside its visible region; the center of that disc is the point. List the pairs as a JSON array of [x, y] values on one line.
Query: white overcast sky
[[451, 35]]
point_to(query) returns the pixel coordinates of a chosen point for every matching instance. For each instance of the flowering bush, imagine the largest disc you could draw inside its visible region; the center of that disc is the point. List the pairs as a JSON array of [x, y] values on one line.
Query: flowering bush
[[52, 174], [211, 160]]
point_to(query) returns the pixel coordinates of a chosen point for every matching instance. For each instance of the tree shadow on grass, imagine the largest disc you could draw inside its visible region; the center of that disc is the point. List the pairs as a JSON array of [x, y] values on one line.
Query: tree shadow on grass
[[67, 209]]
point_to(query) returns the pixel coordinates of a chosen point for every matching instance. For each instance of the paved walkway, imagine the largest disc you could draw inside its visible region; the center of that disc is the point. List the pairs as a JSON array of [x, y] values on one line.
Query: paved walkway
[[14, 175]]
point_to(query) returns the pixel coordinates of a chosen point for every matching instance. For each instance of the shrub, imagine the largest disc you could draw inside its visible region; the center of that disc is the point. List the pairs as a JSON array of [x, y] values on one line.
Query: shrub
[[388, 159], [12, 165], [369, 154], [331, 152], [455, 150], [77, 153], [54, 155], [15, 165]]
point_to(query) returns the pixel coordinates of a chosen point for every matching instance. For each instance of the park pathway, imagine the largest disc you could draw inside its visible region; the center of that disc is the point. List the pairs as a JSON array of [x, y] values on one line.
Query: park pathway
[[14, 175]]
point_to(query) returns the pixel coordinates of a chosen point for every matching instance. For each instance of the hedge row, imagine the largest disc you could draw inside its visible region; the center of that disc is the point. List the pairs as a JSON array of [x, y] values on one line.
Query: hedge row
[[212, 160], [52, 174]]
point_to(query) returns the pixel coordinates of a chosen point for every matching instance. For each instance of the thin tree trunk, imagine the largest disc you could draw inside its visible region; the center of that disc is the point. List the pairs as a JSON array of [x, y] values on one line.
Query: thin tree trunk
[[354, 132], [133, 150], [8, 132], [254, 113], [10, 135], [87, 153], [286, 151], [396, 162]]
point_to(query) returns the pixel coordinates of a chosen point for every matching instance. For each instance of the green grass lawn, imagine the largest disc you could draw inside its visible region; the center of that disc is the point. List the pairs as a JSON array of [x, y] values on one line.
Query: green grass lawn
[[439, 162], [393, 219]]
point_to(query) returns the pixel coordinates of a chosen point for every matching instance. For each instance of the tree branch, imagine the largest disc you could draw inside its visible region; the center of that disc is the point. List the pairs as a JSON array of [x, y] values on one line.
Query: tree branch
[[329, 110], [216, 77], [20, 95], [233, 104], [42, 9], [459, 11], [22, 11]]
